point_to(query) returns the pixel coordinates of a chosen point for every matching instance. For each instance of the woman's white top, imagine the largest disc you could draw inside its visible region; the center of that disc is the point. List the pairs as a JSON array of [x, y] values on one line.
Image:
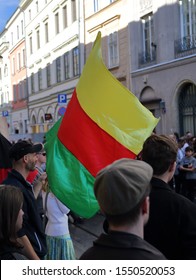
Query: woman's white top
[[57, 216]]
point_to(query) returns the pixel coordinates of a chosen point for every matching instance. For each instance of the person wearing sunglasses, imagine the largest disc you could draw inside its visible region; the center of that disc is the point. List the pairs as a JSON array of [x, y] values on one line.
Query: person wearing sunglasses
[[35, 175]]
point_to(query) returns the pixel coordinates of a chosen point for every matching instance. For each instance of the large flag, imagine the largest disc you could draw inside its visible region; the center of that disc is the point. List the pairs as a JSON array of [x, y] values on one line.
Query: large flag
[[5, 162], [103, 122]]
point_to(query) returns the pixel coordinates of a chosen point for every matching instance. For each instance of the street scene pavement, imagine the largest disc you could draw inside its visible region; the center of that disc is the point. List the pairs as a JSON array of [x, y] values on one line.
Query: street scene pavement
[[83, 234]]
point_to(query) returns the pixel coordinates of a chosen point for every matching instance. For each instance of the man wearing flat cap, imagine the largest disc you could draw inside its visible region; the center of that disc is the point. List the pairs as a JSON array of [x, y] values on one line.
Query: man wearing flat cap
[[31, 236], [122, 190]]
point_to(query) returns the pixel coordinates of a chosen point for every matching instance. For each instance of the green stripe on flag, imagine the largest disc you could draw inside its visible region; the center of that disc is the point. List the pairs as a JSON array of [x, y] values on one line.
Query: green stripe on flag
[[69, 180]]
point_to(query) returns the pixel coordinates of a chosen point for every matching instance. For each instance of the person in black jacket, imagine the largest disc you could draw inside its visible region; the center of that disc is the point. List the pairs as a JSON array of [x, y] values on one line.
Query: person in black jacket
[[122, 190], [172, 224], [11, 218], [32, 236]]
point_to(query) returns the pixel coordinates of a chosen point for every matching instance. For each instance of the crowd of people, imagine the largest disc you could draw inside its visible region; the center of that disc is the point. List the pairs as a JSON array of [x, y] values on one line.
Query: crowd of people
[[149, 205]]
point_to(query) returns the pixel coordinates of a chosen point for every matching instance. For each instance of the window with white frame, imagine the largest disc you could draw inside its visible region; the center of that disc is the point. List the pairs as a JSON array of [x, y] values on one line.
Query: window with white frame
[[113, 49], [67, 65], [48, 75], [22, 27], [57, 23], [65, 16], [32, 83], [188, 21], [58, 70], [19, 61], [96, 5], [17, 32], [38, 39], [73, 10], [23, 58], [46, 33], [13, 66], [12, 38], [148, 37], [30, 45], [5, 70], [37, 6], [40, 79], [76, 61]]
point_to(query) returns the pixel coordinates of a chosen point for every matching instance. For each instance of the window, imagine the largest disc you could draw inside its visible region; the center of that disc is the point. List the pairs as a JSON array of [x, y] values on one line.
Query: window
[[58, 69], [113, 49], [29, 14], [67, 65], [24, 86], [48, 74], [73, 10], [32, 83], [46, 32], [19, 62], [96, 7], [23, 57], [148, 38], [17, 32], [13, 66], [12, 38], [20, 91], [188, 22], [40, 79], [38, 39], [37, 7], [22, 27], [57, 23], [65, 16], [15, 92], [76, 61], [30, 44], [5, 70]]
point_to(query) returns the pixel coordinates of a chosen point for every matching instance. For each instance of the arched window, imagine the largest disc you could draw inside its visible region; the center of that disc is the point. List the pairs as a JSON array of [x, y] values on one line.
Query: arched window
[[187, 109]]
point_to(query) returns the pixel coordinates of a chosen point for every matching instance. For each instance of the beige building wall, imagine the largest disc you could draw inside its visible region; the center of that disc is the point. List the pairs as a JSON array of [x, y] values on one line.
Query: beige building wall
[[110, 18]]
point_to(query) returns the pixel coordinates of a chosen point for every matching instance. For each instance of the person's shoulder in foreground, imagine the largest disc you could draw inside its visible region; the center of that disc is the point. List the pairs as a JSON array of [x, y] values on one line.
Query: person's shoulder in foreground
[[172, 225], [122, 190]]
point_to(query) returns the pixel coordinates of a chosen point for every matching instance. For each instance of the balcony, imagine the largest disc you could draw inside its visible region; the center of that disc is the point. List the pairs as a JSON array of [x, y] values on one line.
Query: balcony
[[185, 46], [147, 58]]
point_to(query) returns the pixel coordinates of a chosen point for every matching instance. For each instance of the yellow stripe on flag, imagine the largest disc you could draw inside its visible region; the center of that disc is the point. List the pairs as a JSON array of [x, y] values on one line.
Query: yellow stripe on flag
[[112, 106]]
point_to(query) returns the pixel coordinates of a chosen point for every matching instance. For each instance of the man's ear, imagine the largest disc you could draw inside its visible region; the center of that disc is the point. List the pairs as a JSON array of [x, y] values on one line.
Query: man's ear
[[172, 167], [25, 158], [145, 205]]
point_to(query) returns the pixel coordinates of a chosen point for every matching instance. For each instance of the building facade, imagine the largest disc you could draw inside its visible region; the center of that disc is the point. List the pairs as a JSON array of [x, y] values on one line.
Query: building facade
[[55, 47], [163, 59], [148, 45]]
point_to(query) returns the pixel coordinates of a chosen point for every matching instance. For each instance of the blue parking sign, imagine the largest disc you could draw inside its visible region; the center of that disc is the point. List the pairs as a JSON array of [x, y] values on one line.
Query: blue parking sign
[[62, 98], [5, 113]]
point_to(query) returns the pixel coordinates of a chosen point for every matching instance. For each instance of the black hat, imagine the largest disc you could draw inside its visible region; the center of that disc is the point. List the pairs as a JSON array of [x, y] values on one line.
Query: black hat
[[22, 148]]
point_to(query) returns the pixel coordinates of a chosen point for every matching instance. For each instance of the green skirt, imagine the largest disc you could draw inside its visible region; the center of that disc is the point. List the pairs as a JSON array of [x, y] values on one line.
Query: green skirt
[[60, 248]]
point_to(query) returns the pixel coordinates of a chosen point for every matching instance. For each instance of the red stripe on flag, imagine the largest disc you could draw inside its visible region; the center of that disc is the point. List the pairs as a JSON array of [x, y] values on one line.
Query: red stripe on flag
[[3, 173], [90, 144]]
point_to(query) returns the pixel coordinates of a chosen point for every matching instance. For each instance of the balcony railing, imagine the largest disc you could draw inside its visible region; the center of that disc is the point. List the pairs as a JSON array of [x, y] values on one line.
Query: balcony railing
[[147, 58], [185, 46]]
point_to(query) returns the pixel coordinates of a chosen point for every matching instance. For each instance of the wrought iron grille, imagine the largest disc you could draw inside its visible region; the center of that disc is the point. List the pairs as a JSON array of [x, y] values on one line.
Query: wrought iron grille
[[187, 109], [185, 46]]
